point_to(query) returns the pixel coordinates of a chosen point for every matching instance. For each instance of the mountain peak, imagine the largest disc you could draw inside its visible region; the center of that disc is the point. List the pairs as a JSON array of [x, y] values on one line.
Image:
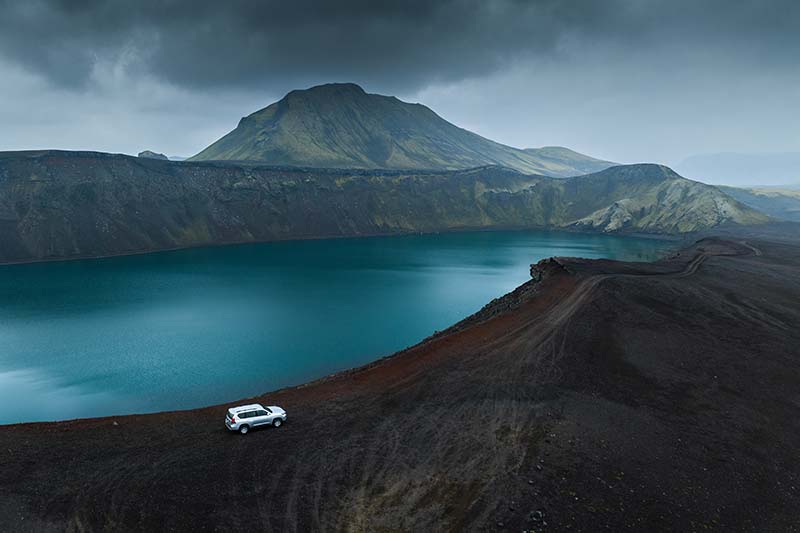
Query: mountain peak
[[336, 87], [338, 91], [639, 172], [339, 125]]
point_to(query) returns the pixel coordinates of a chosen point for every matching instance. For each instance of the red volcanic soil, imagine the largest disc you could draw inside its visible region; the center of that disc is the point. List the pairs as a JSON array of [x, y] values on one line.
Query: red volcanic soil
[[606, 396]]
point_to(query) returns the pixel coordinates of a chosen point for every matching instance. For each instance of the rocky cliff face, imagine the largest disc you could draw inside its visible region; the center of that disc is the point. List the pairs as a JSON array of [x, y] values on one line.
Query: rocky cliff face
[[72, 204]]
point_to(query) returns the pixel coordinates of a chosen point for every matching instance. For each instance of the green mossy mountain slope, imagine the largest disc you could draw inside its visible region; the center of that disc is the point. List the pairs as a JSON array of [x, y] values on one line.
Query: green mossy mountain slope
[[341, 126]]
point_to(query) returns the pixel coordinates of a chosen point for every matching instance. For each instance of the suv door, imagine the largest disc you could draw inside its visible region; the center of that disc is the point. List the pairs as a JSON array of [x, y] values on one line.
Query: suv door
[[246, 418], [261, 417]]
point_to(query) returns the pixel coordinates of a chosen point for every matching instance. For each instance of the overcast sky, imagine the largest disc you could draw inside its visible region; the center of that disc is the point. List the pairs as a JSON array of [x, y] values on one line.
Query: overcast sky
[[625, 80]]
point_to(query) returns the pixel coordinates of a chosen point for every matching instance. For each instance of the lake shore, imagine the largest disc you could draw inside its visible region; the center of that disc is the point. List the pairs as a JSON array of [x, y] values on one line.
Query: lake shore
[[649, 397], [159, 332], [467, 229]]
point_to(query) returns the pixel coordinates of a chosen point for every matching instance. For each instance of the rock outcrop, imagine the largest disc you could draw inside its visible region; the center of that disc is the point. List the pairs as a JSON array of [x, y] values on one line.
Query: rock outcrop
[[153, 155]]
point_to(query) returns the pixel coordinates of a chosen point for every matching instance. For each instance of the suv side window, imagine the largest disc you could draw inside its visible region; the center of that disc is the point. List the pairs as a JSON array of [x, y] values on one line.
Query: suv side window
[[261, 413], [248, 414]]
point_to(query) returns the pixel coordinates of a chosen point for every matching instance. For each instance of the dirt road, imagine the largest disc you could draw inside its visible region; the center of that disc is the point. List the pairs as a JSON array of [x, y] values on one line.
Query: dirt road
[[607, 396]]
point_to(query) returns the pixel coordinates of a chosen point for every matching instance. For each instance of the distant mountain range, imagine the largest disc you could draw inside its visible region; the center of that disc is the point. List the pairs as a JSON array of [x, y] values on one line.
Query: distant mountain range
[[744, 170], [56, 205], [782, 203], [341, 126]]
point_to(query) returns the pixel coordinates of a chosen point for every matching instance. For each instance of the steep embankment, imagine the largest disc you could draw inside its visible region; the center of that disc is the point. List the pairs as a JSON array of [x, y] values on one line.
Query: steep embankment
[[624, 397], [73, 204], [340, 126]]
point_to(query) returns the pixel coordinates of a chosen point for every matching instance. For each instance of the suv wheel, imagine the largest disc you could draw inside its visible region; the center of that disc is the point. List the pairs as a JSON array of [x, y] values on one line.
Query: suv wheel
[[277, 422], [244, 429]]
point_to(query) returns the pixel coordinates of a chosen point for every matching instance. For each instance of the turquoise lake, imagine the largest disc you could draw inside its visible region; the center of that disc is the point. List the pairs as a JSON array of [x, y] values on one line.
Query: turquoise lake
[[189, 328]]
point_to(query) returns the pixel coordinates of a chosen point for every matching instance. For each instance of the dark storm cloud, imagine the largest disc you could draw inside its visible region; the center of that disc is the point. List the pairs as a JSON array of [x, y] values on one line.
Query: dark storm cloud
[[624, 80], [404, 44]]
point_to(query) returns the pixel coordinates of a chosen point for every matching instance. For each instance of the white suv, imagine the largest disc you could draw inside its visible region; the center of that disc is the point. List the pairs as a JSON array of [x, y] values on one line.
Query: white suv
[[246, 417]]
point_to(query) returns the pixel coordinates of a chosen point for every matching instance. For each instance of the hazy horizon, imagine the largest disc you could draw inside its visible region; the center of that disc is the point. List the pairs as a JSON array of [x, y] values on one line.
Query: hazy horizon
[[626, 81]]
